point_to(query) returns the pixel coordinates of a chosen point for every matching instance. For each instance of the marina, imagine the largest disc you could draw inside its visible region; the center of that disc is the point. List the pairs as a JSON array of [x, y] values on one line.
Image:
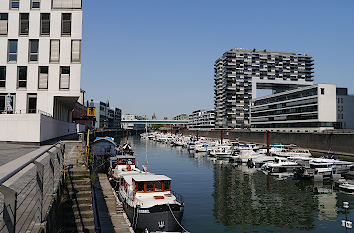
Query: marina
[[221, 197]]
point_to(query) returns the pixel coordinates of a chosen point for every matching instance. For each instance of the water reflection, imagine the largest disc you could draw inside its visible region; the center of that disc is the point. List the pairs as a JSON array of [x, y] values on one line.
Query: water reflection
[[242, 198]]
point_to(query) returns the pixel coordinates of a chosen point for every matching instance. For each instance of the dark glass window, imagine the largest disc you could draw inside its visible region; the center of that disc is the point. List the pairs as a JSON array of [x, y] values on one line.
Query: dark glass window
[[140, 187], [66, 24], [45, 24], [158, 186], [33, 50], [24, 24], [149, 186], [167, 185], [12, 57], [2, 76], [22, 77]]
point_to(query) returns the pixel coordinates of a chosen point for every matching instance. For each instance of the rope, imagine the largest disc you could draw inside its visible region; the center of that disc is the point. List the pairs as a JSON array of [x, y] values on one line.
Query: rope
[[176, 218]]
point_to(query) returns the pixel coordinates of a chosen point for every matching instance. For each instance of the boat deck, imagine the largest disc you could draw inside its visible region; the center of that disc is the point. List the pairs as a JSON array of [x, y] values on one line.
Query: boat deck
[[110, 220]]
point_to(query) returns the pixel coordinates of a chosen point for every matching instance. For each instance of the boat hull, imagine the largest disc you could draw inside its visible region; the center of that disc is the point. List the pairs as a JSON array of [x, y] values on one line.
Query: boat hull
[[158, 218]]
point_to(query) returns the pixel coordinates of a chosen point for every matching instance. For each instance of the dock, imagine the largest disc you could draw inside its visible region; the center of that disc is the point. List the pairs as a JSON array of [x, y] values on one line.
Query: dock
[[109, 219]]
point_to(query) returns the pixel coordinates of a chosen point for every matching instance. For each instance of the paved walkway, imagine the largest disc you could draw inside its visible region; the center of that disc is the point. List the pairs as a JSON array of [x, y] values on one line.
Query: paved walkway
[[12, 151]]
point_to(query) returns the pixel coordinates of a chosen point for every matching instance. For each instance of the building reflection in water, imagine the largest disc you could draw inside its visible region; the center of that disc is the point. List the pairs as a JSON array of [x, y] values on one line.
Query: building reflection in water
[[242, 197]]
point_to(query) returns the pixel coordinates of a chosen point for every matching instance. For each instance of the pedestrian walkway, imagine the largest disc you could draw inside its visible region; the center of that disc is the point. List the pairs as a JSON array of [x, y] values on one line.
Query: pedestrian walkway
[[110, 220]]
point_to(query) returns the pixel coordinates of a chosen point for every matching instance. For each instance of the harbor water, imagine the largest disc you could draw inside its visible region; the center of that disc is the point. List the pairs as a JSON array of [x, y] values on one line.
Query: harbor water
[[220, 197]]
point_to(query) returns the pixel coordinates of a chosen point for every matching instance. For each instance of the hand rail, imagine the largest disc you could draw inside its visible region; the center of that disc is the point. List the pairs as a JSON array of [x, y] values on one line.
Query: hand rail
[[14, 172]]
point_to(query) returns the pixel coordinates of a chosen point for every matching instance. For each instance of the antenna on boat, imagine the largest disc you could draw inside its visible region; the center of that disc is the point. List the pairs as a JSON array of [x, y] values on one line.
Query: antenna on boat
[[146, 154]]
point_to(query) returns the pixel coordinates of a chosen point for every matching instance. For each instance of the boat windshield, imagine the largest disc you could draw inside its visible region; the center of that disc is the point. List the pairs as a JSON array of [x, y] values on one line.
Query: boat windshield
[[153, 186], [126, 161]]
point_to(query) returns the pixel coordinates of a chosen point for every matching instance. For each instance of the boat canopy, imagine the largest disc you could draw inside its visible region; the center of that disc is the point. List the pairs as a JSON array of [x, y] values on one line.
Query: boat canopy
[[144, 177]]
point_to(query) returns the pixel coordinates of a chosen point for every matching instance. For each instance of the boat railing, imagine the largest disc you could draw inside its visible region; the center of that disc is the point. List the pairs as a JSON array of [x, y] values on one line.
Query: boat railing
[[178, 196]]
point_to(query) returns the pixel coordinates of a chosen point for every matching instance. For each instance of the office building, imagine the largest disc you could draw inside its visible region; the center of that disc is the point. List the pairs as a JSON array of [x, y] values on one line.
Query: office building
[[202, 119], [181, 117], [240, 72], [345, 109], [40, 68], [307, 109], [107, 117]]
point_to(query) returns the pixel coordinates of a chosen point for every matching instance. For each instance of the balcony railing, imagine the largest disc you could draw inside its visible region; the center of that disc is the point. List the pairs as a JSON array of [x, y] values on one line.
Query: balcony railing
[[66, 4]]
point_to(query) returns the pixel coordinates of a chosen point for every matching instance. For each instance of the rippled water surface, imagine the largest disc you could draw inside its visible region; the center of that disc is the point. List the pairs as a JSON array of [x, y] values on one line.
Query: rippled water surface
[[223, 198]]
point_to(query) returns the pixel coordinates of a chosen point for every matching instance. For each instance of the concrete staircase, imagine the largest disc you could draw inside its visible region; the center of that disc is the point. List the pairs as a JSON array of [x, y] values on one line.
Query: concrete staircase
[[77, 213]]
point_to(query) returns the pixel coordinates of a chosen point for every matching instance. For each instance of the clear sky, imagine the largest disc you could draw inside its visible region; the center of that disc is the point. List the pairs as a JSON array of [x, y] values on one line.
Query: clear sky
[[157, 56]]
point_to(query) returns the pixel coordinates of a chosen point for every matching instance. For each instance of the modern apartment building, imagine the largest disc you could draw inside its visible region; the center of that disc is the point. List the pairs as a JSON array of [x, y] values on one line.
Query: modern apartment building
[[307, 109], [345, 109], [40, 67], [202, 119], [107, 117], [240, 72]]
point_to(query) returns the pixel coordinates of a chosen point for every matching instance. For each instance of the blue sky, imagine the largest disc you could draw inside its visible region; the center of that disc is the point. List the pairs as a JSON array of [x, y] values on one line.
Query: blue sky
[[157, 56]]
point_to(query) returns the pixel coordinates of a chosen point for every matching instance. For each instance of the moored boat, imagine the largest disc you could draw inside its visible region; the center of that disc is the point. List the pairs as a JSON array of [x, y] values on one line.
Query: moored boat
[[149, 202]]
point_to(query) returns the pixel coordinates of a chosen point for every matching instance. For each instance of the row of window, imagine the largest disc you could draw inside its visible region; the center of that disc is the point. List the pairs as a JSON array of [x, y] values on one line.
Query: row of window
[[54, 56], [56, 4], [64, 80], [44, 24]]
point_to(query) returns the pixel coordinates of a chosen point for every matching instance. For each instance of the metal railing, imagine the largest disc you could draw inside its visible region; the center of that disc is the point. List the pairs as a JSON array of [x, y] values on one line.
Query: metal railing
[[29, 191]]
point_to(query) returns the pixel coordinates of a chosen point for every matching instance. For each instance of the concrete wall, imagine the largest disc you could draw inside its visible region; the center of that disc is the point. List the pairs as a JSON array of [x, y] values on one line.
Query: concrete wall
[[332, 142], [32, 128]]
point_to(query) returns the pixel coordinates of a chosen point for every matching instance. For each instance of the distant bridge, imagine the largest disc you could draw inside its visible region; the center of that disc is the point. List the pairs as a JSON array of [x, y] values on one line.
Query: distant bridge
[[156, 122]]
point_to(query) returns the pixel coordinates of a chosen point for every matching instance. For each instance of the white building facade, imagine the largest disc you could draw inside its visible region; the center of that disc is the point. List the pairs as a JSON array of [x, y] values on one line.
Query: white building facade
[[40, 65], [202, 119], [306, 109]]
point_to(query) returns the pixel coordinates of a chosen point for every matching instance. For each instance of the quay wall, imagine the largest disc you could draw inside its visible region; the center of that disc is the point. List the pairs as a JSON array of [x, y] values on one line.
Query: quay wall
[[341, 143]]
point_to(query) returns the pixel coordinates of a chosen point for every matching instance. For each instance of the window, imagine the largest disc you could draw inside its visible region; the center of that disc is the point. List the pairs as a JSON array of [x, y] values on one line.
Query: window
[[167, 185], [2, 76], [66, 24], [68, 4], [158, 186], [3, 23], [43, 77], [149, 186], [75, 50], [35, 4], [2, 103], [22, 77], [24, 24], [33, 50], [12, 48], [7, 103], [54, 50], [14, 4], [322, 91], [31, 103], [64, 82], [140, 187], [45, 24]]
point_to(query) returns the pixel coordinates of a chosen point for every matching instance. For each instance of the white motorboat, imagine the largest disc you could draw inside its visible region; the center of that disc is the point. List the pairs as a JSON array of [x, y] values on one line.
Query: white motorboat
[[347, 187], [149, 202], [222, 151], [201, 147], [326, 166], [280, 165]]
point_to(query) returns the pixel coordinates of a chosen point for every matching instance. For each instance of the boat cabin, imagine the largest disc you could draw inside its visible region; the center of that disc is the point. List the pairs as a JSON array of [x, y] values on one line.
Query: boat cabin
[[145, 183], [121, 162]]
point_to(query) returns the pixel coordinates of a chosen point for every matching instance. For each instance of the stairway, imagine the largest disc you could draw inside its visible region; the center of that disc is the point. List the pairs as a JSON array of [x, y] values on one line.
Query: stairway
[[77, 214]]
